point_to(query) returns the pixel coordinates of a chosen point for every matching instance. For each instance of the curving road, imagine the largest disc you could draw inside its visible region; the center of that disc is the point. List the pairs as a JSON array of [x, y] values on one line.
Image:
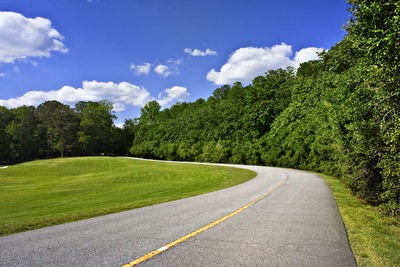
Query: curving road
[[296, 224]]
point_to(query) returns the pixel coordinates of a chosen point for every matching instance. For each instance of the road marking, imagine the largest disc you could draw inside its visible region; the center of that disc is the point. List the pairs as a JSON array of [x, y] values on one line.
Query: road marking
[[163, 248], [196, 232]]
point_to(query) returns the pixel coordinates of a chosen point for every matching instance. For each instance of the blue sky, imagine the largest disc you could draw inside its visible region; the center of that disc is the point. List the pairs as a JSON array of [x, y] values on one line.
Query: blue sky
[[134, 51]]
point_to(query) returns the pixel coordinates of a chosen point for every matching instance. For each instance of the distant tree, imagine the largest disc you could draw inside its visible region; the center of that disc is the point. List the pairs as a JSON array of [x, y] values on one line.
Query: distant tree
[[310, 68], [6, 117], [22, 130], [266, 99], [339, 115], [149, 112], [127, 135], [222, 92], [59, 124], [96, 126]]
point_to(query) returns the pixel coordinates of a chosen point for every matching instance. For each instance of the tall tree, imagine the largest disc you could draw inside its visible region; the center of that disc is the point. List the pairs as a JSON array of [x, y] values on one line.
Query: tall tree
[[59, 124], [149, 113], [375, 28], [96, 126], [6, 117], [23, 133]]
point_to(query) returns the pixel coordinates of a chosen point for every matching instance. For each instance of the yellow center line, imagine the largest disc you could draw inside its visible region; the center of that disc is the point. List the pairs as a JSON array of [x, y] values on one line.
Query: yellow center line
[[196, 232]]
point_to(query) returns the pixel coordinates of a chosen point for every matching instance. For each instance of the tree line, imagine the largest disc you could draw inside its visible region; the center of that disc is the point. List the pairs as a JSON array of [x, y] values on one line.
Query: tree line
[[339, 115], [57, 130]]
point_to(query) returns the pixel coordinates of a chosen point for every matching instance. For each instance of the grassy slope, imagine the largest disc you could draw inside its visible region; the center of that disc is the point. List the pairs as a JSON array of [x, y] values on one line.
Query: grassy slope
[[48, 192], [375, 239]]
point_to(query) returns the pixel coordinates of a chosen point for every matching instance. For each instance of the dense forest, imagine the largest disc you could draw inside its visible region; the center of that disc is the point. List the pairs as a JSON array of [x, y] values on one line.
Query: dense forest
[[339, 115], [57, 130]]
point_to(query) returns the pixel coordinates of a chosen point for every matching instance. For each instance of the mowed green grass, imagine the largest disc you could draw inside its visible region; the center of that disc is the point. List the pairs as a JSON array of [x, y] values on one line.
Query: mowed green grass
[[48, 192], [374, 238]]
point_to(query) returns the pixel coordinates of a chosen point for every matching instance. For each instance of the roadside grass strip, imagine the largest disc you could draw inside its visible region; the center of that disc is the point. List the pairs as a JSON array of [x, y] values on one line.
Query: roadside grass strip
[[198, 231], [48, 192], [374, 237]]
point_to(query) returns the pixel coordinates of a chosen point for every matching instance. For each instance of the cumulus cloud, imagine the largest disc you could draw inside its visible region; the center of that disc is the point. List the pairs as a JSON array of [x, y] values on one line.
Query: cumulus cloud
[[120, 94], [22, 37], [172, 67], [172, 94], [141, 69], [162, 70], [246, 63], [199, 53]]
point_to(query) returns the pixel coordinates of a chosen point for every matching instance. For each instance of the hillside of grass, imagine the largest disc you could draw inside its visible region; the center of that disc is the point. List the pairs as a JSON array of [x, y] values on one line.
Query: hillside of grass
[[48, 192]]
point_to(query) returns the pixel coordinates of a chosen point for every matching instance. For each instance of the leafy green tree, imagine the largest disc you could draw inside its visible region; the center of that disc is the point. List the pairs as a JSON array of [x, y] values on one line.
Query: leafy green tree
[[149, 113], [311, 68], [128, 135], [375, 25], [6, 117], [59, 125], [22, 130], [340, 58], [375, 28], [338, 114], [222, 92], [268, 96], [96, 126]]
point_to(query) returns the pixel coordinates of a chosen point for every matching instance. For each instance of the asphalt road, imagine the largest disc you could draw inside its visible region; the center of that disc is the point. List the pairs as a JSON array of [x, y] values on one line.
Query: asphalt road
[[297, 224]]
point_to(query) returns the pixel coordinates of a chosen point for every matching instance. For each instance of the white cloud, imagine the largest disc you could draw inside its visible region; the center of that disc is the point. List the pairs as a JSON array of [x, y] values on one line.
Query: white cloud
[[174, 63], [118, 107], [22, 37], [248, 62], [120, 94], [162, 70], [141, 69], [172, 94], [170, 69], [119, 125], [123, 93], [198, 52]]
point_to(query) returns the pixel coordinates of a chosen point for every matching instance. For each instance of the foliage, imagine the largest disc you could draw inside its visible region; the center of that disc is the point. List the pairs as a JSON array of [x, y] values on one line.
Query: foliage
[[6, 116], [225, 128], [375, 28], [95, 128], [57, 130], [339, 115], [150, 112], [305, 134], [59, 125], [22, 130]]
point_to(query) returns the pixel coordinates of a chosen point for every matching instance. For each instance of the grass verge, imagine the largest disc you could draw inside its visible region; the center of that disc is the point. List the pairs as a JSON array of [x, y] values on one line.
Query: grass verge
[[48, 192], [374, 238]]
